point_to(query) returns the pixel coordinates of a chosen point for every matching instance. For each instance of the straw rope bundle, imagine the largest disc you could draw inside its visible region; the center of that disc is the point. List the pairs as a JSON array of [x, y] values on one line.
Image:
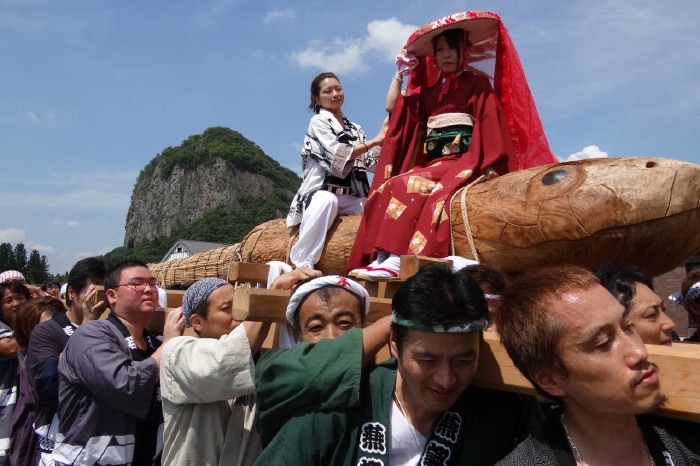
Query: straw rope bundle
[[266, 242], [213, 263]]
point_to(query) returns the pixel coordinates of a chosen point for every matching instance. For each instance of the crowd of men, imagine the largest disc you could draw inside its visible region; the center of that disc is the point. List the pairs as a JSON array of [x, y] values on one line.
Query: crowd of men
[[85, 383]]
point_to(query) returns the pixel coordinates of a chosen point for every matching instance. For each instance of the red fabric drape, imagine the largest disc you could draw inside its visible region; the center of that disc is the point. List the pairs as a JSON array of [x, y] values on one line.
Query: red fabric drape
[[402, 148]]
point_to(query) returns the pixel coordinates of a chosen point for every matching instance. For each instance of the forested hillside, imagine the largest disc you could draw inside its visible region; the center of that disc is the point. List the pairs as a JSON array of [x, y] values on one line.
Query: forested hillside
[[213, 187]]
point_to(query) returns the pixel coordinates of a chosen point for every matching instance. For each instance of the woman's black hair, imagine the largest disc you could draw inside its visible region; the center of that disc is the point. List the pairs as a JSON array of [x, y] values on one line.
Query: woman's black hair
[[454, 38], [621, 281]]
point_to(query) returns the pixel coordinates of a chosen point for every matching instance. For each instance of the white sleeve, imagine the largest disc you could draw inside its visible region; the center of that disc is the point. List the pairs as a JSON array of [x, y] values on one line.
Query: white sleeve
[[332, 154], [204, 370]]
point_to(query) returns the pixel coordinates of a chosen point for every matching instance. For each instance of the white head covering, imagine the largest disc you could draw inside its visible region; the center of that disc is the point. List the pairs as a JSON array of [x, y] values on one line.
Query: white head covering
[[10, 275]]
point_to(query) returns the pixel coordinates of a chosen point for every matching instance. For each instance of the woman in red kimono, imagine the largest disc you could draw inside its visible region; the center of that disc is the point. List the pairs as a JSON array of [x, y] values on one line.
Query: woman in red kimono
[[444, 134]]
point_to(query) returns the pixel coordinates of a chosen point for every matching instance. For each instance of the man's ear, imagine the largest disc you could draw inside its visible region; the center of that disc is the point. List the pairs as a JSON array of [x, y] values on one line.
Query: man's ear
[[111, 295], [196, 322], [393, 347], [551, 382]]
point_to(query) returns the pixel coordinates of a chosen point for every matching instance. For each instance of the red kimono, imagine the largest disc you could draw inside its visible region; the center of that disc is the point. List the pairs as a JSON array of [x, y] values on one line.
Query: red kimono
[[408, 214]]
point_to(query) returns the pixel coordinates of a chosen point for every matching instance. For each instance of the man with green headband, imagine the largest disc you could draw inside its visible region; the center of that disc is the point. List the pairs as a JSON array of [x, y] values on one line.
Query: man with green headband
[[419, 407]]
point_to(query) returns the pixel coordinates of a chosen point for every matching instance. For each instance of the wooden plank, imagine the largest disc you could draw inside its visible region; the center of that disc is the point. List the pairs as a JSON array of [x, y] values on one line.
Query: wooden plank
[[260, 304], [372, 287], [248, 272], [679, 369], [175, 297], [389, 289], [273, 337], [679, 366], [378, 308], [380, 289], [496, 369], [411, 264]]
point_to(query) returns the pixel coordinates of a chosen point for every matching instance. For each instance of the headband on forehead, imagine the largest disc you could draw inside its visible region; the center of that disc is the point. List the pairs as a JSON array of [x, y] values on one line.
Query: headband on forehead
[[692, 294], [478, 325], [329, 280]]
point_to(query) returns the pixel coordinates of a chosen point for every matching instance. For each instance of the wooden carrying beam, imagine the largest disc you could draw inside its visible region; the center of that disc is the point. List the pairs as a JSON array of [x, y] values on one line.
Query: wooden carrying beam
[[679, 369], [410, 265], [679, 366], [248, 272]]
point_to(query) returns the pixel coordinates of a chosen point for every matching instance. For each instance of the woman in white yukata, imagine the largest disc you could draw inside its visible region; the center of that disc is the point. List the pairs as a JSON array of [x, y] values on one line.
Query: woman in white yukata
[[334, 161]]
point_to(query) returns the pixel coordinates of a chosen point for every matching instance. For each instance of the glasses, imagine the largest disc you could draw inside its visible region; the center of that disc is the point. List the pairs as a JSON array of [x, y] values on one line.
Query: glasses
[[139, 287]]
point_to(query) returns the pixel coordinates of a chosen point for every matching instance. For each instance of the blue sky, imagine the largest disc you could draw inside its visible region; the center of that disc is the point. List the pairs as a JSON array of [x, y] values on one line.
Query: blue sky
[[92, 89]]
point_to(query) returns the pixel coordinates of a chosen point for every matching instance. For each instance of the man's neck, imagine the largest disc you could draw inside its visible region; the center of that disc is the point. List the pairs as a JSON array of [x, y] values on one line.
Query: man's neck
[[135, 327], [603, 439], [422, 420]]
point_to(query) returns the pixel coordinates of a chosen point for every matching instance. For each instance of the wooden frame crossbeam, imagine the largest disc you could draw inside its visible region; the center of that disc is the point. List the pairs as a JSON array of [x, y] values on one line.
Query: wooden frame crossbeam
[[679, 365]]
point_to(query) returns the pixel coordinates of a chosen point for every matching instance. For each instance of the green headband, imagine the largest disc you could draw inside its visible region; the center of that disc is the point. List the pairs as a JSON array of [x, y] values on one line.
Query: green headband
[[478, 325]]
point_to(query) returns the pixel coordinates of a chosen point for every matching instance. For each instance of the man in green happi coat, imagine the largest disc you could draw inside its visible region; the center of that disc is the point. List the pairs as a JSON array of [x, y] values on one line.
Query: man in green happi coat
[[417, 408]]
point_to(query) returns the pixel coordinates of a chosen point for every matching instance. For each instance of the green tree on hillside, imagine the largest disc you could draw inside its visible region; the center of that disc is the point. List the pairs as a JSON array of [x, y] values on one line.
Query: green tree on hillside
[[7, 260], [20, 257], [36, 270]]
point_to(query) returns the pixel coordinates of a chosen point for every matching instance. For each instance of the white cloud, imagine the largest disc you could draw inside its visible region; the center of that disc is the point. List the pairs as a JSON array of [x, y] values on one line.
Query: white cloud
[[588, 152], [277, 15], [344, 56], [11, 235], [387, 37], [82, 255], [384, 38], [46, 117], [65, 223], [75, 191]]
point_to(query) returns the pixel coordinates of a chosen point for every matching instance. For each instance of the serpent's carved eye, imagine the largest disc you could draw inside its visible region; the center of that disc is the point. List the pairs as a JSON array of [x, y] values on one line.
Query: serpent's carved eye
[[553, 177], [557, 181]]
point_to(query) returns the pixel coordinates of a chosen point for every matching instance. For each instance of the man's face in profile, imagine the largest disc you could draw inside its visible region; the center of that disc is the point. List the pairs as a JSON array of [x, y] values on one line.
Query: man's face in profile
[[607, 363]]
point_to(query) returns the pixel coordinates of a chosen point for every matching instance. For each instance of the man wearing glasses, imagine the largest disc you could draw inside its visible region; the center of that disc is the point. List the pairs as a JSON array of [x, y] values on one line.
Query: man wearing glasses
[[109, 406]]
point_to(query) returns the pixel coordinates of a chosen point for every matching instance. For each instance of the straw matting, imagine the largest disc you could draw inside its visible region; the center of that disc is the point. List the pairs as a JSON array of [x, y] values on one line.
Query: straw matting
[[266, 242]]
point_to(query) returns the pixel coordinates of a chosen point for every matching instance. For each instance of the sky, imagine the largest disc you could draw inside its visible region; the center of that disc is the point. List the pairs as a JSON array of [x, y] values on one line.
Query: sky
[[92, 90]]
